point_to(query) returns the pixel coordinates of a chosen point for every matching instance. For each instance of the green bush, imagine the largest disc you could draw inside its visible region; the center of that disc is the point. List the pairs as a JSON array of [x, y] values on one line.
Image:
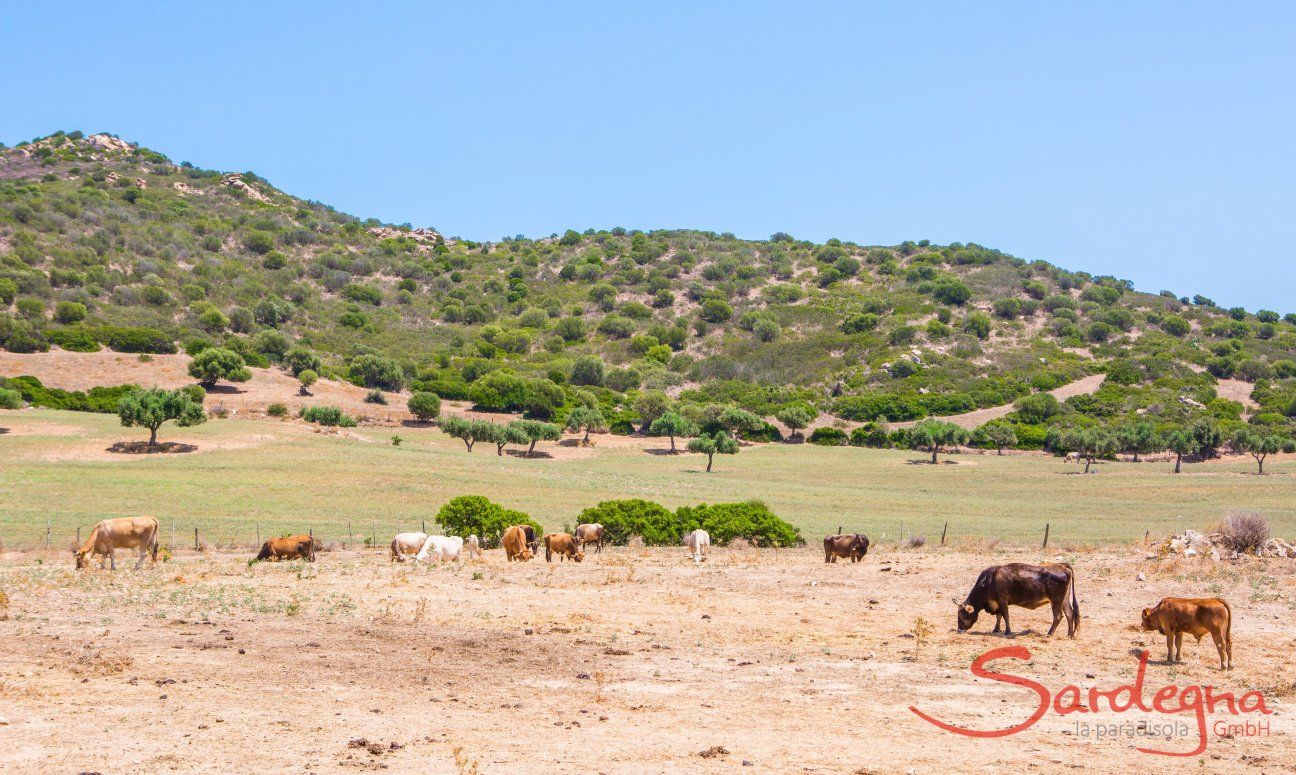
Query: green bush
[[475, 515], [624, 518], [828, 437], [77, 339], [277, 410], [752, 521], [10, 399], [327, 415], [870, 434], [99, 399], [424, 405], [137, 339]]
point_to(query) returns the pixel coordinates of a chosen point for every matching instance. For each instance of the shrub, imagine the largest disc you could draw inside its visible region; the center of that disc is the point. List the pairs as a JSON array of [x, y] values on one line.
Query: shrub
[[10, 399], [751, 521], [217, 363], [300, 359], [277, 410], [624, 518], [69, 312], [870, 434], [137, 339], [376, 371], [375, 396], [588, 370], [828, 437], [1244, 531], [78, 339], [424, 405], [327, 415], [951, 291], [365, 294], [475, 515]]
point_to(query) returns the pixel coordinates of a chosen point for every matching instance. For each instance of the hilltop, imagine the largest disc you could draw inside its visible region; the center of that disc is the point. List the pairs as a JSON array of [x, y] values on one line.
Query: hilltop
[[104, 244]]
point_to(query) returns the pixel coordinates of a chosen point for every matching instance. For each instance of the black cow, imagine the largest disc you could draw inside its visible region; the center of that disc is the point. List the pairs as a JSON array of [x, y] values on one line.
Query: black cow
[[1027, 586], [533, 543]]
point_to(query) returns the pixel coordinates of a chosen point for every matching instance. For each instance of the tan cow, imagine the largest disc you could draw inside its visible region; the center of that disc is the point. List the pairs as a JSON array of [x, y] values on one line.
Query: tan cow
[[405, 544], [564, 545], [122, 533], [590, 534], [515, 544], [1174, 616], [298, 547]]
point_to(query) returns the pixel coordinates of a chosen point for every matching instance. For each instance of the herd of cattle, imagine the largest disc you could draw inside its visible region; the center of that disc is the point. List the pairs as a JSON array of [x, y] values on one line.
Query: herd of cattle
[[996, 589]]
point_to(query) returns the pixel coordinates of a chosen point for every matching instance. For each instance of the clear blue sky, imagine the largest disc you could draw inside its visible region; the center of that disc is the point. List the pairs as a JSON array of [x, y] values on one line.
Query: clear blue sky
[[1157, 143]]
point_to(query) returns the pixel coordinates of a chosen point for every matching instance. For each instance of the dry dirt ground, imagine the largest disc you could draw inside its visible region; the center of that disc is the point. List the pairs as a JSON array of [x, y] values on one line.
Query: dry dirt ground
[[634, 661]]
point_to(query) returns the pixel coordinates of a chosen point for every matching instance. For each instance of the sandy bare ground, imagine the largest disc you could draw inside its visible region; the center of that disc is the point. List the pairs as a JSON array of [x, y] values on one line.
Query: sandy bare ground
[[634, 661], [969, 420]]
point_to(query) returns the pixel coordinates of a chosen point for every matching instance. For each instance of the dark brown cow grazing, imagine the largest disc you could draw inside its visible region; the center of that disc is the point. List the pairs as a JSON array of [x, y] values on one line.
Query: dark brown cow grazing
[[1027, 586], [564, 545], [853, 546], [590, 534], [531, 541], [298, 547], [1174, 616]]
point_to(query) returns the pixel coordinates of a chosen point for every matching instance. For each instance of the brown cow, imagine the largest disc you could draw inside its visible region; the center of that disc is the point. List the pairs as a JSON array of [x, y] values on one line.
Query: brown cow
[[1174, 616], [590, 534], [853, 546], [121, 533], [1028, 586], [515, 544], [298, 547], [563, 545]]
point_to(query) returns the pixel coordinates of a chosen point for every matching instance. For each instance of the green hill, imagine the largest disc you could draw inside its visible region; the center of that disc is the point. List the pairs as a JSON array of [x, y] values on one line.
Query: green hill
[[105, 244]]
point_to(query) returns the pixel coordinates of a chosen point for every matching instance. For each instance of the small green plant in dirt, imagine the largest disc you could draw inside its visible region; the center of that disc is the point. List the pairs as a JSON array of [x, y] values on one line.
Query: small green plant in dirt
[[396, 440], [922, 631]]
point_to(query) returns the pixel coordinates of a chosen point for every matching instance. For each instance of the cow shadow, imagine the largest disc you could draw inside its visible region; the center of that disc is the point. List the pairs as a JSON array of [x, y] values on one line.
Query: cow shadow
[[417, 424], [575, 443], [927, 461], [3, 431]]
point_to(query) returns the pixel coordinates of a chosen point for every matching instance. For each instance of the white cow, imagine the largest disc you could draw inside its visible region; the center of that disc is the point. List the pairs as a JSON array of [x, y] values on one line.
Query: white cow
[[1073, 457], [472, 547], [405, 544], [699, 543], [440, 548]]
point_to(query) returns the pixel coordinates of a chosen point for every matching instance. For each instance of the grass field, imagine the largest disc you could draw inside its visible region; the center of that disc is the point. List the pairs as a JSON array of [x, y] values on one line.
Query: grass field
[[285, 477]]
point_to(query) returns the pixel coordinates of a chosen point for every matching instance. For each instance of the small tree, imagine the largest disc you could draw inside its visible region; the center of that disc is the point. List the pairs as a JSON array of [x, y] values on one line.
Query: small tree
[[585, 418], [424, 406], [469, 431], [672, 424], [1181, 443], [150, 408], [216, 363], [1141, 438], [999, 435], [1090, 444], [503, 435], [307, 378], [936, 435], [534, 430], [797, 417], [735, 420], [1258, 445], [650, 406], [720, 443]]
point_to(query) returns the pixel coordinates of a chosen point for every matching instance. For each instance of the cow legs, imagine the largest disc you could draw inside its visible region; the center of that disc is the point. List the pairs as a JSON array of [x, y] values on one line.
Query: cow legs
[[1219, 646], [1007, 624], [1178, 646], [143, 552], [1057, 618], [998, 624], [1169, 649], [112, 559]]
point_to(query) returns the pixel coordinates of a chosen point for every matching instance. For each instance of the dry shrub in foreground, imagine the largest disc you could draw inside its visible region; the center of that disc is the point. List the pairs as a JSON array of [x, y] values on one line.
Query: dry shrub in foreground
[[1244, 531], [917, 541]]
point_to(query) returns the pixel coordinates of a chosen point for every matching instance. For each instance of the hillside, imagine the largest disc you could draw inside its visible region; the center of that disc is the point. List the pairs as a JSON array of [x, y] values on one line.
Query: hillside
[[107, 245]]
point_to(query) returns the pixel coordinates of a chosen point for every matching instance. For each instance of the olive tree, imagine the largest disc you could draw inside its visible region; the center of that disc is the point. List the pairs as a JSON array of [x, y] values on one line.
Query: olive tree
[[936, 436], [1182, 442], [153, 407], [532, 431], [1258, 445], [469, 431], [586, 419], [1090, 443], [424, 406], [1140, 438], [999, 435], [797, 417], [672, 424], [721, 443]]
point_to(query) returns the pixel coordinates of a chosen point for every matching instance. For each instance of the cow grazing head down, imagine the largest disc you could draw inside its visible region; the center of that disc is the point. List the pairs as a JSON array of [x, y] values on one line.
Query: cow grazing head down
[[525, 554], [578, 555], [1148, 624], [967, 616], [80, 556]]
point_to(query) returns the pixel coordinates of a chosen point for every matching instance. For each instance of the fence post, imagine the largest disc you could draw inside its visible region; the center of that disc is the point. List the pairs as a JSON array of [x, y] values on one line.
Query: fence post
[[258, 529], [348, 541], [47, 533], [1046, 532], [425, 526], [943, 531], [196, 549], [839, 532], [78, 535]]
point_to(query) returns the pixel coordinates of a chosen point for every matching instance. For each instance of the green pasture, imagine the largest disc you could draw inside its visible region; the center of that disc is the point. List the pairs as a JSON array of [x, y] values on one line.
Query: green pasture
[[284, 478]]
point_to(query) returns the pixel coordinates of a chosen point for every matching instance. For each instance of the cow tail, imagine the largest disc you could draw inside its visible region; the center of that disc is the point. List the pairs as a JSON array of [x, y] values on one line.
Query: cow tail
[[1075, 605], [1228, 626]]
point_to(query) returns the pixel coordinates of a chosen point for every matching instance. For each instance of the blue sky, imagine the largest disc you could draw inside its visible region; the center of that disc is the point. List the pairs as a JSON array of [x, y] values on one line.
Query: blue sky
[[1156, 143]]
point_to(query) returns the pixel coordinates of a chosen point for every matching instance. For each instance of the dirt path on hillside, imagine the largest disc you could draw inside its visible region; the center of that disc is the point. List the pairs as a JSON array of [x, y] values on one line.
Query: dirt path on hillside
[[633, 661]]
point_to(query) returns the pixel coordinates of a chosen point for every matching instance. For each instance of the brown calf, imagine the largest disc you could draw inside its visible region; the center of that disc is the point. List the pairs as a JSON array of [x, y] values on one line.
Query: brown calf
[[298, 547], [515, 544], [853, 546], [1174, 616], [563, 545]]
